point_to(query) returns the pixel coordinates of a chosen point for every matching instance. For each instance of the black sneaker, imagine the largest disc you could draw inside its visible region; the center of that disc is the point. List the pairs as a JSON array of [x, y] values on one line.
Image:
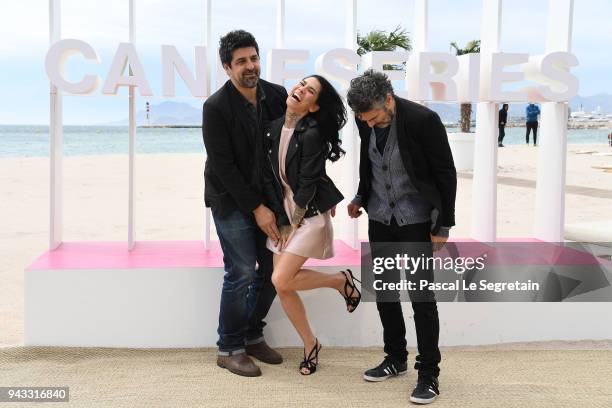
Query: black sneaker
[[426, 390], [388, 368]]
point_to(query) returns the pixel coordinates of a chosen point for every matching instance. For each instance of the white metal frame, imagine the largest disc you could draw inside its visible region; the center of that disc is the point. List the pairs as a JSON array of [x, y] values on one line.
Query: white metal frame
[[549, 223], [56, 149], [550, 190], [484, 185], [211, 57], [350, 141], [132, 140]]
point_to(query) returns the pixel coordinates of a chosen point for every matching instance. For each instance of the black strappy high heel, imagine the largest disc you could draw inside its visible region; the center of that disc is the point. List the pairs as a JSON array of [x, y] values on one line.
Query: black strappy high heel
[[312, 360], [351, 301]]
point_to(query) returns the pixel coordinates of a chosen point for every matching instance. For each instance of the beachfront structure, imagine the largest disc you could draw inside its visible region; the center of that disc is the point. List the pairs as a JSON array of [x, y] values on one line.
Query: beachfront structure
[[478, 78], [165, 294]]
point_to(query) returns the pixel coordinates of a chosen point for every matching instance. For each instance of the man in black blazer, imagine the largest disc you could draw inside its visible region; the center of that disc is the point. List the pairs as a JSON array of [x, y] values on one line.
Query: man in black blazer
[[234, 119], [407, 185]]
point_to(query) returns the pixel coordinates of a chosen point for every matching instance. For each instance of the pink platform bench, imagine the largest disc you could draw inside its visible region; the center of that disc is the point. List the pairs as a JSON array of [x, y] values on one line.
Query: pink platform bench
[[172, 254], [166, 294], [157, 254]]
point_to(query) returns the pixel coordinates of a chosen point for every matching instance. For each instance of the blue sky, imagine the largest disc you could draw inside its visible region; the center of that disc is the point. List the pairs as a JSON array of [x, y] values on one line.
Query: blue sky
[[316, 25]]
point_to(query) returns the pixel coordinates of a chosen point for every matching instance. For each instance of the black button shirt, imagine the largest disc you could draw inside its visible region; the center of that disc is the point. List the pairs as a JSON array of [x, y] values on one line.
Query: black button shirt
[[382, 134]]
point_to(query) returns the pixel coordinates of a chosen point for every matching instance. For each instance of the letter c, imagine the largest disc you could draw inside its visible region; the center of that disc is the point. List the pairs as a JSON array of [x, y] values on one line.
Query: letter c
[[55, 62]]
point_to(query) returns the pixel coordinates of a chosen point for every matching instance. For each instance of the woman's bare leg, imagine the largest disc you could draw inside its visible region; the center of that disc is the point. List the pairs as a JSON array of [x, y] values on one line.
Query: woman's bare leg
[[286, 266], [288, 277]]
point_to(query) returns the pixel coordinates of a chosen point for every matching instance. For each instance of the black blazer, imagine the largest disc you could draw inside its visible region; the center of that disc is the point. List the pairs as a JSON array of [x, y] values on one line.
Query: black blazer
[[234, 147], [307, 152], [426, 154]]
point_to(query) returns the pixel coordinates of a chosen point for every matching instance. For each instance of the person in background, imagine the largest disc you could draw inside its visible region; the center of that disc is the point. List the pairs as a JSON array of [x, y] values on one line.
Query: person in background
[[503, 118], [532, 111]]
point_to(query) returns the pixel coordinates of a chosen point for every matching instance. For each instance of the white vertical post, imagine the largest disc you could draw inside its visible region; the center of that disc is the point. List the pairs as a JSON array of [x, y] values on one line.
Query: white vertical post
[[420, 23], [280, 23], [212, 57], [350, 24], [210, 49], [484, 182], [55, 140], [132, 140], [350, 139], [419, 38], [549, 220]]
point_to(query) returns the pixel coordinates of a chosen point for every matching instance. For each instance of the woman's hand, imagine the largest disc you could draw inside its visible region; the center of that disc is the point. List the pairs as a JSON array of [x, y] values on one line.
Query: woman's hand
[[286, 233], [290, 234]]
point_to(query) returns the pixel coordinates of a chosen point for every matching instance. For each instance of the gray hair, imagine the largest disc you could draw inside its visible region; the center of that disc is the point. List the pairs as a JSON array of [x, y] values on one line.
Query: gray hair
[[368, 91]]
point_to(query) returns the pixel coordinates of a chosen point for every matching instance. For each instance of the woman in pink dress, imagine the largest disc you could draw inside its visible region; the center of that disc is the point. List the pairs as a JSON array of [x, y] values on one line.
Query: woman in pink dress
[[303, 199]]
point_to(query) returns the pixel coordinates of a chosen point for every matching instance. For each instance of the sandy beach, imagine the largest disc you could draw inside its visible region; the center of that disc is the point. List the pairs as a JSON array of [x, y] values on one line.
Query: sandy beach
[[170, 205]]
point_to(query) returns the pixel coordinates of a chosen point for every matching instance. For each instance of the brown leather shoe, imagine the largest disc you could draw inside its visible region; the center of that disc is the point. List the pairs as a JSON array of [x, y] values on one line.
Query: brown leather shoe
[[240, 364], [264, 353]]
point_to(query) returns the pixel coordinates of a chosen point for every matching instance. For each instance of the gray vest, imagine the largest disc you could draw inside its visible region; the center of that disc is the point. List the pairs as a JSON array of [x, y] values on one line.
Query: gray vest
[[393, 194]]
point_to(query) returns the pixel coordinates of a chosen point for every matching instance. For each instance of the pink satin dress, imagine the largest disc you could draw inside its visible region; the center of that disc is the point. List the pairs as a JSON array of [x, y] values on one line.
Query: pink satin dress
[[315, 236]]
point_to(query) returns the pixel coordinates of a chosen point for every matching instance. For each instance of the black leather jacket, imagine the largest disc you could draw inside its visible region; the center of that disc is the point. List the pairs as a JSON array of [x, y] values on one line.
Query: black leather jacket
[[313, 190]]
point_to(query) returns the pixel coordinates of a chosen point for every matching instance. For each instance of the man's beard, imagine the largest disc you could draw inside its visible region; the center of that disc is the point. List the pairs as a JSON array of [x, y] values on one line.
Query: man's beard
[[249, 82], [390, 114]]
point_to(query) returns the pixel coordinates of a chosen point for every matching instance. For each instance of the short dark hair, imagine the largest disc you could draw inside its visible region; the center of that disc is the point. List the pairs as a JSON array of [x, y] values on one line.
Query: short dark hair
[[233, 40], [368, 91]]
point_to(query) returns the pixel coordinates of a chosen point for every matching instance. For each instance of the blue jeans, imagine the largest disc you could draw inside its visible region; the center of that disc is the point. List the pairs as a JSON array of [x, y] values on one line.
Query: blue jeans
[[247, 292]]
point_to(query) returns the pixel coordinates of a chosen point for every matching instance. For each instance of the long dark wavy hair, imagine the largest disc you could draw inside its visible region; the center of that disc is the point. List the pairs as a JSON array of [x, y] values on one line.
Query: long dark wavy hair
[[331, 117]]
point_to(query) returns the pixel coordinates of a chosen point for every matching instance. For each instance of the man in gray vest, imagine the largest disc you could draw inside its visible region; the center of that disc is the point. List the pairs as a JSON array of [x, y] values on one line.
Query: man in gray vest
[[407, 185]]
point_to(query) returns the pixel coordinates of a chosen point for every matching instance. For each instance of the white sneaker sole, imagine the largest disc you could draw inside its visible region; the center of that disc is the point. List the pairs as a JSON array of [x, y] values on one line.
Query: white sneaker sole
[[379, 379], [423, 400]]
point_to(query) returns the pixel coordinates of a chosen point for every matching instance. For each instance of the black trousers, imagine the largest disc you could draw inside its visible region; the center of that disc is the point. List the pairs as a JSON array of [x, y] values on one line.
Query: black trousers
[[534, 126], [502, 134], [425, 313]]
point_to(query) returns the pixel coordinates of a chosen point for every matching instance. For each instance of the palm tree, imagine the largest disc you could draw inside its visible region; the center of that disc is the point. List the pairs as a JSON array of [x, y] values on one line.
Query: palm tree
[[466, 108], [379, 40]]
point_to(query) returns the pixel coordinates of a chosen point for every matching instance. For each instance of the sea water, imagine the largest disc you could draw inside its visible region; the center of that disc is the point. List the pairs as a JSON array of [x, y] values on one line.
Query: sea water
[[33, 140]]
